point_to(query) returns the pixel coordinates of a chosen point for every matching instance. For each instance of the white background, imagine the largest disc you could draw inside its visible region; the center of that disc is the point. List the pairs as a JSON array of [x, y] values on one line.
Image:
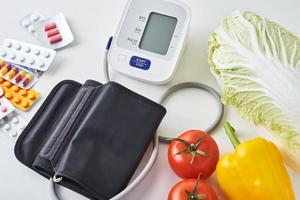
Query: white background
[[92, 23]]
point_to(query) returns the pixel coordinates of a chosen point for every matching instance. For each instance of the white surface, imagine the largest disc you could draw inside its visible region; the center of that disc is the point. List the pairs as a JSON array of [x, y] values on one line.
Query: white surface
[[92, 22]]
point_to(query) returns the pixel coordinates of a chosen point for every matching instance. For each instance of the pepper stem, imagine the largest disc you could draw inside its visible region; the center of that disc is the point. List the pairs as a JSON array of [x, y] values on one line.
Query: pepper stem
[[230, 131]]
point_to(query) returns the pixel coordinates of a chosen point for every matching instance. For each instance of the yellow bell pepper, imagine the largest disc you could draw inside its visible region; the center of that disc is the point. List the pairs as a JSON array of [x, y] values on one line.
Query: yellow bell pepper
[[255, 171]]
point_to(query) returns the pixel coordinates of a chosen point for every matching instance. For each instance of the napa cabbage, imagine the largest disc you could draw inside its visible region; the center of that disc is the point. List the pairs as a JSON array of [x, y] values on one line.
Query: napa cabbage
[[257, 63]]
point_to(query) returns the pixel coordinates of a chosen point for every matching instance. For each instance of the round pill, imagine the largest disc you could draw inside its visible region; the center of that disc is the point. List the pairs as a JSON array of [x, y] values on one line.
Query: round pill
[[46, 54], [25, 104], [3, 108], [14, 133], [25, 23], [8, 44], [27, 49], [22, 59], [3, 53], [23, 93], [17, 99], [7, 84], [8, 95], [15, 120], [2, 121], [41, 64], [31, 29], [31, 96], [31, 61], [36, 52], [10, 115], [18, 46], [34, 17], [6, 127], [12, 56], [22, 127], [15, 88]]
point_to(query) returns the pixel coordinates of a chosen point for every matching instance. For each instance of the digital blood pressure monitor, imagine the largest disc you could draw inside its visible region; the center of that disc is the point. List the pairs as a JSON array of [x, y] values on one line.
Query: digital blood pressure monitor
[[150, 39]]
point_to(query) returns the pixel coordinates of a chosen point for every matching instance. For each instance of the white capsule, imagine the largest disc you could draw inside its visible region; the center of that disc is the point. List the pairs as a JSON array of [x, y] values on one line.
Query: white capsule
[[15, 120], [25, 23], [6, 127]]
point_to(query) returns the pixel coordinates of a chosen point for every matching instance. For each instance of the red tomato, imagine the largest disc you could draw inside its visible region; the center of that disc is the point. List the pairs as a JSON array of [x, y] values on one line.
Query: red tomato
[[185, 189], [192, 154]]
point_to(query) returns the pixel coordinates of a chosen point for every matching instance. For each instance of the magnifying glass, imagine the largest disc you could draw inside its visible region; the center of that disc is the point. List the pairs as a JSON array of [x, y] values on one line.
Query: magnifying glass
[[165, 137]]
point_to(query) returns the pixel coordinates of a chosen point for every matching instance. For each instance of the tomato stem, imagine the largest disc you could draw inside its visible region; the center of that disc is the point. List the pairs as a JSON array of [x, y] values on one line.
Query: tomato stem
[[230, 131], [193, 195], [191, 148]]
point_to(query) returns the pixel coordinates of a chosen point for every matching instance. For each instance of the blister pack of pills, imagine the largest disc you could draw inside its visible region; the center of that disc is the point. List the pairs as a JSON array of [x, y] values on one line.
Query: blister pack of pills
[[54, 32], [18, 75], [25, 54], [20, 98], [5, 107], [12, 125], [30, 19]]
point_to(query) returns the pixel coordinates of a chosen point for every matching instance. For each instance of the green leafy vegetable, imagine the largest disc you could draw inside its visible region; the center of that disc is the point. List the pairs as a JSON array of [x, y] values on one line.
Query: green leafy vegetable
[[257, 63]]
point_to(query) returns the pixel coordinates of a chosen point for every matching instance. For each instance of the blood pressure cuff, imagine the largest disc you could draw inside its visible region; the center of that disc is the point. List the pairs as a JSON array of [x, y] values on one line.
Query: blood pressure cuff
[[93, 136]]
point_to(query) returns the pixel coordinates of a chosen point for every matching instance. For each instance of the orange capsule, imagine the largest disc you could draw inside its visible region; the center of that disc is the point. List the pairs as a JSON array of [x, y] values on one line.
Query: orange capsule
[[13, 72], [28, 80], [20, 76], [5, 69]]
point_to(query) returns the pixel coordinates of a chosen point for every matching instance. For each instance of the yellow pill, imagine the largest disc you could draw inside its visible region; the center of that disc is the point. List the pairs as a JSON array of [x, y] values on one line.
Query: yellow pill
[[1, 80], [15, 88], [7, 84], [4, 70], [31, 96], [25, 104], [11, 74], [8, 95], [23, 93], [17, 99]]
